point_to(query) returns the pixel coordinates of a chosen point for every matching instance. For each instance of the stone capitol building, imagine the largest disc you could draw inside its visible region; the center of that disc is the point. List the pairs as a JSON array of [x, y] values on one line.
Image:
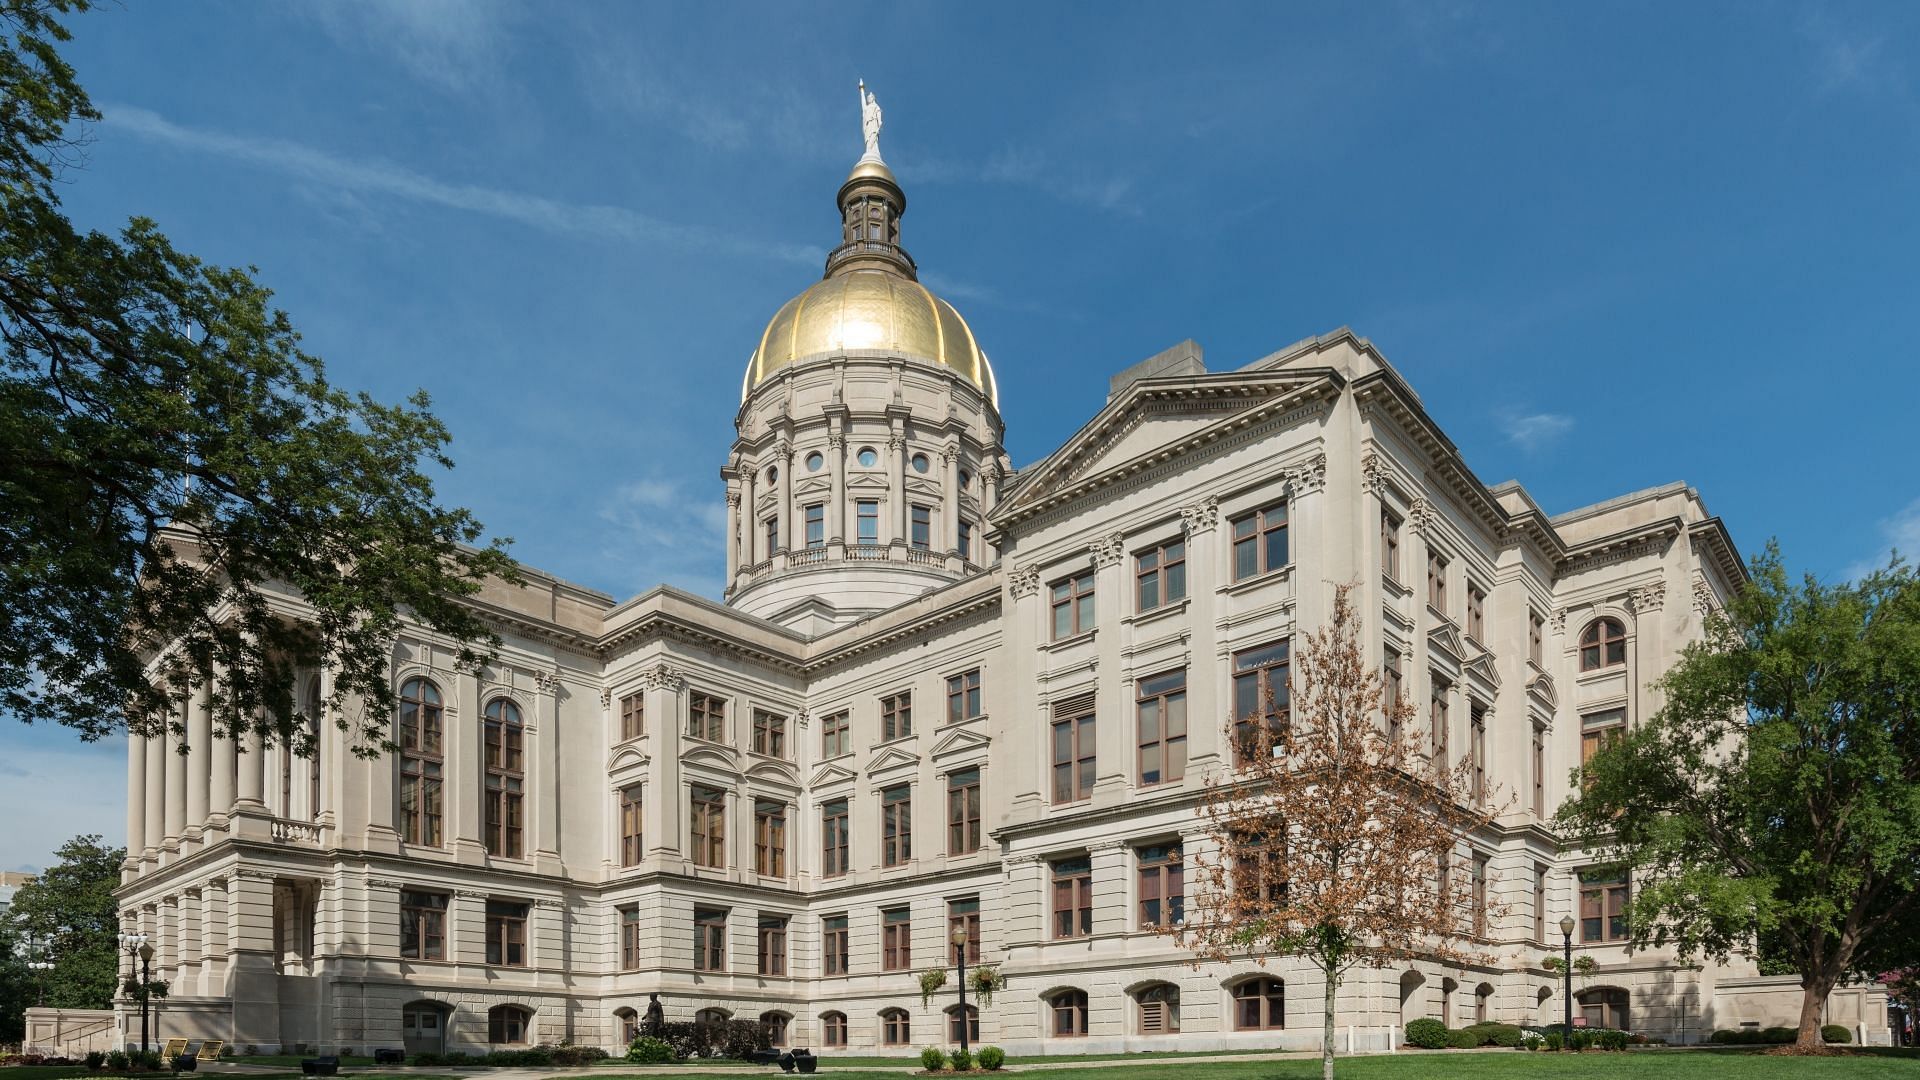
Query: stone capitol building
[[941, 692]]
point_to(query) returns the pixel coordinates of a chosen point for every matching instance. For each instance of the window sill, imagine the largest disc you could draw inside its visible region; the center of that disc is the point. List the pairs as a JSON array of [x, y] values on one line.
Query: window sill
[[965, 720], [1250, 584], [1164, 611], [1394, 588], [1597, 674], [1069, 642], [1441, 617], [709, 742], [769, 757]]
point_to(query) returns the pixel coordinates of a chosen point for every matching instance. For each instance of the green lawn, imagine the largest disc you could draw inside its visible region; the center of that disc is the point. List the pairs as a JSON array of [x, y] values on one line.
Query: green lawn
[[291, 1060]]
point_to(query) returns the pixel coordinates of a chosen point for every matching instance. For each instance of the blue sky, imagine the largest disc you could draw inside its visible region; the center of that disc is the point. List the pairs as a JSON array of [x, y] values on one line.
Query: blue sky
[[1611, 245]]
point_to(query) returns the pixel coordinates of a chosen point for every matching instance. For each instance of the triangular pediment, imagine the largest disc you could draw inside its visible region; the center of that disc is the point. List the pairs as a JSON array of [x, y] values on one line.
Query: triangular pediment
[[866, 481], [1155, 420], [1446, 638], [959, 740], [829, 774], [888, 758], [813, 485], [1483, 667]]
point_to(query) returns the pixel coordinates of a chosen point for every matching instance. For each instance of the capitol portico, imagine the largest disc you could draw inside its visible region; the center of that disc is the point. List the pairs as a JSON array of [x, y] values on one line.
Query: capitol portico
[[940, 692]]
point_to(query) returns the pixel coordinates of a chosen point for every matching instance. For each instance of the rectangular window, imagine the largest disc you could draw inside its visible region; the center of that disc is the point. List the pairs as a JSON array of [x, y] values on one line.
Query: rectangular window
[[1163, 892], [1437, 715], [1477, 749], [1476, 612], [709, 939], [921, 524], [629, 939], [770, 838], [1539, 771], [866, 518], [833, 931], [1540, 903], [633, 716], [896, 716], [709, 819], [769, 733], [965, 915], [963, 696], [833, 838], [1394, 670], [816, 519], [1073, 753], [1260, 695], [630, 831], [1073, 898], [1536, 638], [1161, 709], [1437, 580], [1480, 875], [707, 716], [896, 939], [965, 544], [1260, 542], [773, 944], [1603, 905], [1260, 866], [421, 808], [773, 536], [503, 806], [963, 812], [836, 735], [423, 926], [1389, 545], [896, 825], [506, 933], [1160, 575], [1072, 605], [1600, 730]]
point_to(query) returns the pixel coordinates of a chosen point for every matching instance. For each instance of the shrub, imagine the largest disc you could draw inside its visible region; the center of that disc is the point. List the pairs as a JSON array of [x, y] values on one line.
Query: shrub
[[96, 1059], [962, 1061], [933, 1059], [1580, 1039], [1533, 1042], [428, 1058], [1836, 1033], [1496, 1034], [1463, 1039], [1554, 1041], [569, 1054], [647, 1050], [118, 1061], [1610, 1040], [1778, 1035], [1427, 1034], [992, 1057]]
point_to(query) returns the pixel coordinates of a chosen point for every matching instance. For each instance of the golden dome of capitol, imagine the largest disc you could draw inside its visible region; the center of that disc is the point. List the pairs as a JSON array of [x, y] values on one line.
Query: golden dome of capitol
[[870, 301]]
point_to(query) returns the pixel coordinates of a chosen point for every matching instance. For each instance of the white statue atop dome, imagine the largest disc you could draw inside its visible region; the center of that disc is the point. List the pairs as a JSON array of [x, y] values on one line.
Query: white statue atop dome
[[870, 122]]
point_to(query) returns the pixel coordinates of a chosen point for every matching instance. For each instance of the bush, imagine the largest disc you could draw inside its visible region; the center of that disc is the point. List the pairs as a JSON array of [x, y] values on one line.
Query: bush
[[1778, 1035], [569, 1054], [962, 1061], [647, 1050], [1610, 1040], [1463, 1039], [95, 1060], [1533, 1042], [1836, 1033], [1427, 1034], [933, 1059], [118, 1061], [1555, 1041], [992, 1057], [1496, 1034], [428, 1058]]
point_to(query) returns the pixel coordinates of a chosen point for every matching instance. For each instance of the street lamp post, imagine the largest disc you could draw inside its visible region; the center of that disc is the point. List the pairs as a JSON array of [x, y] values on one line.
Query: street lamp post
[[1566, 936], [40, 965], [960, 951], [138, 948]]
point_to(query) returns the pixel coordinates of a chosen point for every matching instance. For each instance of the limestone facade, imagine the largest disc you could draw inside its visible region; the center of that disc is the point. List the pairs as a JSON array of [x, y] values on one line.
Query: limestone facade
[[922, 703]]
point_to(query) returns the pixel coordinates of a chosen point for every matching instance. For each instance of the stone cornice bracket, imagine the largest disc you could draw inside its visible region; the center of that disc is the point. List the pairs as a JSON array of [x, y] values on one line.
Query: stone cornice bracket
[[1024, 859], [662, 676], [1560, 621], [1420, 515], [1703, 600], [385, 883], [1108, 845], [546, 682], [548, 901], [1648, 598], [250, 872], [1110, 551], [473, 894], [1309, 477], [1373, 473], [606, 698], [1201, 516], [1024, 581]]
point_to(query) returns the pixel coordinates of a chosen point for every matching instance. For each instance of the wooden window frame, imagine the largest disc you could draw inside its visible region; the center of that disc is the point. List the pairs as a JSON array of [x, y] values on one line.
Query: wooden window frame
[[1539, 770], [633, 716], [709, 939], [707, 823], [1476, 612], [421, 806], [896, 939], [1477, 749], [1482, 871], [835, 843], [1068, 1011], [964, 834], [769, 734], [1163, 697], [1536, 638], [503, 734], [972, 1019], [1440, 716], [836, 734], [1255, 668], [1603, 907], [1437, 564], [1252, 540], [1160, 575], [1540, 903], [1076, 756], [1600, 729], [920, 527], [1268, 996], [507, 1025], [866, 521], [1071, 885], [1390, 525], [836, 958], [423, 920], [814, 518], [963, 540], [1161, 883], [1070, 604], [1614, 1005], [896, 1027], [770, 838], [833, 1029], [771, 944], [707, 716], [896, 716], [507, 933], [630, 938], [896, 825], [964, 696], [1601, 640], [965, 912], [632, 826], [1157, 1009]]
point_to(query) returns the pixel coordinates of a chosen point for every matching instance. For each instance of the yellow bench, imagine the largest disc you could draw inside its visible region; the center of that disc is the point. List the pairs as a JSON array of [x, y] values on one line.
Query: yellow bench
[[210, 1050]]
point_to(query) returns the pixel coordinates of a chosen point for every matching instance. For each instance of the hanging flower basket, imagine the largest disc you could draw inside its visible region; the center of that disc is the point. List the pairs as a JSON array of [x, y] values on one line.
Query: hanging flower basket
[[931, 980], [983, 981]]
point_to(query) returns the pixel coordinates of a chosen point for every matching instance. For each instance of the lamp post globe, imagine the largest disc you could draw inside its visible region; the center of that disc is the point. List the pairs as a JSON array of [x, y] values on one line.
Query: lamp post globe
[[1566, 936], [145, 952], [959, 938]]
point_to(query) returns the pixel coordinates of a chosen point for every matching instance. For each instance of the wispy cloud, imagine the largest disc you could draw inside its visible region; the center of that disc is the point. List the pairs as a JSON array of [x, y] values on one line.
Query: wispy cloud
[[1023, 167], [315, 168], [1536, 431], [1899, 532], [663, 533], [457, 45], [1843, 58]]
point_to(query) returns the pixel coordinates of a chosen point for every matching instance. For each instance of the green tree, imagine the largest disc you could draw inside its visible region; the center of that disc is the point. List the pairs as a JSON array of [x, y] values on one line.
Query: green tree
[[171, 461], [70, 912], [17, 989], [1773, 803]]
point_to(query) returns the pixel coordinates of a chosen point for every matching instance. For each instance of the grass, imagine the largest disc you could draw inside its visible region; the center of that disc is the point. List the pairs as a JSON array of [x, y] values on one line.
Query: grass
[[912, 1061], [290, 1060]]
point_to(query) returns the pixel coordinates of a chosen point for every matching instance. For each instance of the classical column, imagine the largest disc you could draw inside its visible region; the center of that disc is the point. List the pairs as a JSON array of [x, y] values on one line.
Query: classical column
[[190, 943], [1199, 522], [199, 760], [176, 809], [1115, 747], [137, 748], [223, 770], [783, 460], [897, 488], [837, 502], [154, 827], [990, 487], [950, 500], [662, 796], [750, 538], [213, 936], [733, 531], [168, 947], [253, 772], [546, 768]]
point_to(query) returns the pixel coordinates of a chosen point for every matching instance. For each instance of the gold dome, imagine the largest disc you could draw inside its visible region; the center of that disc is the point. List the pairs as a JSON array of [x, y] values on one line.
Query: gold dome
[[870, 311]]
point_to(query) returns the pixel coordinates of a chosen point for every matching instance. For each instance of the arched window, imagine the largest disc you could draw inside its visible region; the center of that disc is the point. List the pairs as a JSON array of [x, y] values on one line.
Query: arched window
[[895, 1028], [1159, 1007], [316, 729], [1260, 1005], [629, 1022], [973, 1024], [506, 779], [508, 1025], [1482, 1003], [1069, 1008], [1603, 644], [776, 1024], [833, 1028], [712, 1016], [1605, 1007], [421, 812]]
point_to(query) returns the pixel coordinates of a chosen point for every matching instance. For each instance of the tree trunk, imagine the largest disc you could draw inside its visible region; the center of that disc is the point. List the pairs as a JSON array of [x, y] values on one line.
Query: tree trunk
[[1326, 1029], [1813, 998]]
